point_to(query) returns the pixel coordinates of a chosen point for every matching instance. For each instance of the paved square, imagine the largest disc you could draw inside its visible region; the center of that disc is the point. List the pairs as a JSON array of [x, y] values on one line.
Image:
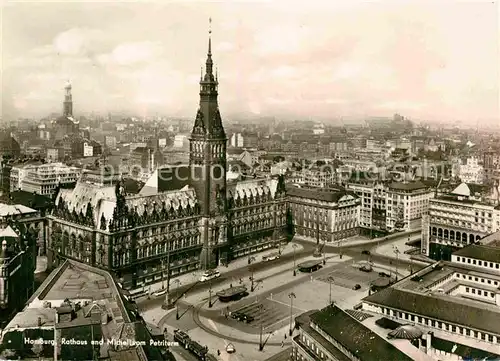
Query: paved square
[[275, 314], [347, 276]]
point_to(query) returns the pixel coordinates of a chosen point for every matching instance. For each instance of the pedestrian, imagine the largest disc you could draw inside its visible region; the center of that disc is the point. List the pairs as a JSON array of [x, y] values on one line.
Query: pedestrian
[[285, 336], [218, 352], [282, 344], [230, 285]]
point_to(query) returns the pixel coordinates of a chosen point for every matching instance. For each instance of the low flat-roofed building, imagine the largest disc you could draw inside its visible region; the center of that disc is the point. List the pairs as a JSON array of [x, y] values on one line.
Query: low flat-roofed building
[[458, 300], [333, 334], [80, 304]]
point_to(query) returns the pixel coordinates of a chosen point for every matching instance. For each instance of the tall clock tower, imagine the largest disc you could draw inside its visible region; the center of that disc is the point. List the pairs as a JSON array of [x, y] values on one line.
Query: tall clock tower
[[207, 161]]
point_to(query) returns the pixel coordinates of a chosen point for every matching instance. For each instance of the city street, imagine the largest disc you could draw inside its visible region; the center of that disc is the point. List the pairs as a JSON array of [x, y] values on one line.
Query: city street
[[243, 272], [270, 305]]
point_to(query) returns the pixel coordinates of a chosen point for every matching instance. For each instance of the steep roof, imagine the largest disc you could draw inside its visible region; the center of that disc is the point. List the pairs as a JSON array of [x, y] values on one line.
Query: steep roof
[[253, 187]]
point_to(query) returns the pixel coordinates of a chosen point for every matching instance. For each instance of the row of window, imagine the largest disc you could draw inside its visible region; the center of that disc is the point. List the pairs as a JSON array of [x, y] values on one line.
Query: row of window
[[479, 263], [479, 292]]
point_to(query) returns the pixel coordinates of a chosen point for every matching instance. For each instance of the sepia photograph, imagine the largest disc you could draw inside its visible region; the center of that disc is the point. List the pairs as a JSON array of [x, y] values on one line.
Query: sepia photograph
[[260, 180]]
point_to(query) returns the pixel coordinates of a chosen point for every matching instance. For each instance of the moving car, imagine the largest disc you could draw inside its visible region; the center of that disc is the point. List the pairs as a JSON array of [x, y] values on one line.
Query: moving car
[[159, 293], [209, 275], [366, 252], [356, 287], [230, 348], [383, 274], [271, 257]]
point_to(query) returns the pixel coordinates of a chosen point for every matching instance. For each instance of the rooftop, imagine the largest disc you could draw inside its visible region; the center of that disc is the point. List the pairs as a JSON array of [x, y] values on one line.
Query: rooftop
[[456, 310], [89, 305], [408, 186], [354, 336], [14, 209], [78, 283], [480, 252], [320, 194]]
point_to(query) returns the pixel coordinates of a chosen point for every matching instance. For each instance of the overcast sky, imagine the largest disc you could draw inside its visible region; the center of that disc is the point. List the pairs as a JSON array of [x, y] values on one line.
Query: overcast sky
[[437, 60]]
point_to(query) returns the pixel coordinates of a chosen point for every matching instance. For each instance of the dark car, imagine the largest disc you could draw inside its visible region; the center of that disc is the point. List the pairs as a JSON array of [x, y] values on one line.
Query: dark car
[[356, 287], [366, 252], [383, 274], [247, 318], [236, 315]]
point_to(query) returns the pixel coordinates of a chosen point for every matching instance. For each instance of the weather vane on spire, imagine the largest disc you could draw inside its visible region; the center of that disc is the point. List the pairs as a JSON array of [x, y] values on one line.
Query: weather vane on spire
[[210, 25]]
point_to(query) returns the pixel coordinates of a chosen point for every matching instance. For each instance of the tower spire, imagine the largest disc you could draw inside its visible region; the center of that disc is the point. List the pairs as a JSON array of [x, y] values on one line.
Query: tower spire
[[209, 62], [209, 36], [68, 100]]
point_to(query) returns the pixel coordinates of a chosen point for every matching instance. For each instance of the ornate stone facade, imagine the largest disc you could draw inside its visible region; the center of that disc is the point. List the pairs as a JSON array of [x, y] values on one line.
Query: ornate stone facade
[[204, 224], [19, 234]]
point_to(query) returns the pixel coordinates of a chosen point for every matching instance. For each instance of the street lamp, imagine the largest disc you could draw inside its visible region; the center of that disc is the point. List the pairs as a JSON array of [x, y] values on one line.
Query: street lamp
[[330, 280], [252, 286], [166, 304], [261, 345], [291, 295], [210, 295], [396, 252], [324, 252], [294, 246], [176, 304]]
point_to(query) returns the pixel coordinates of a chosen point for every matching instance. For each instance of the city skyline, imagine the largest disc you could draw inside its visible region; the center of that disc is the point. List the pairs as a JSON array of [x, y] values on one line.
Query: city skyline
[[310, 60]]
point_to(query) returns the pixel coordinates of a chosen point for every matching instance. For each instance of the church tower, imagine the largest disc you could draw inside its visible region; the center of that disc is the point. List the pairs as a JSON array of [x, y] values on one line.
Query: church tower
[[207, 160], [68, 101]]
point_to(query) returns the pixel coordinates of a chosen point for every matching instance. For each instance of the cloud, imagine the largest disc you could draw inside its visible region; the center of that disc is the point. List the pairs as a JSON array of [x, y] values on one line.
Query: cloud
[[132, 53], [281, 39], [77, 41]]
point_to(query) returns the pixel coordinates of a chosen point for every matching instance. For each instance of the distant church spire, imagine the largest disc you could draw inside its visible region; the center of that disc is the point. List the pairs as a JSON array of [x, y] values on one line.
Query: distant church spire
[[68, 101]]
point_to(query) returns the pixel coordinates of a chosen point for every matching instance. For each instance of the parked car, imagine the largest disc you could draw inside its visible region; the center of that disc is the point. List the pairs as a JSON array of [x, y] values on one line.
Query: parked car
[[209, 275], [383, 274], [366, 252], [247, 318], [242, 317], [230, 348], [236, 315], [356, 287]]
